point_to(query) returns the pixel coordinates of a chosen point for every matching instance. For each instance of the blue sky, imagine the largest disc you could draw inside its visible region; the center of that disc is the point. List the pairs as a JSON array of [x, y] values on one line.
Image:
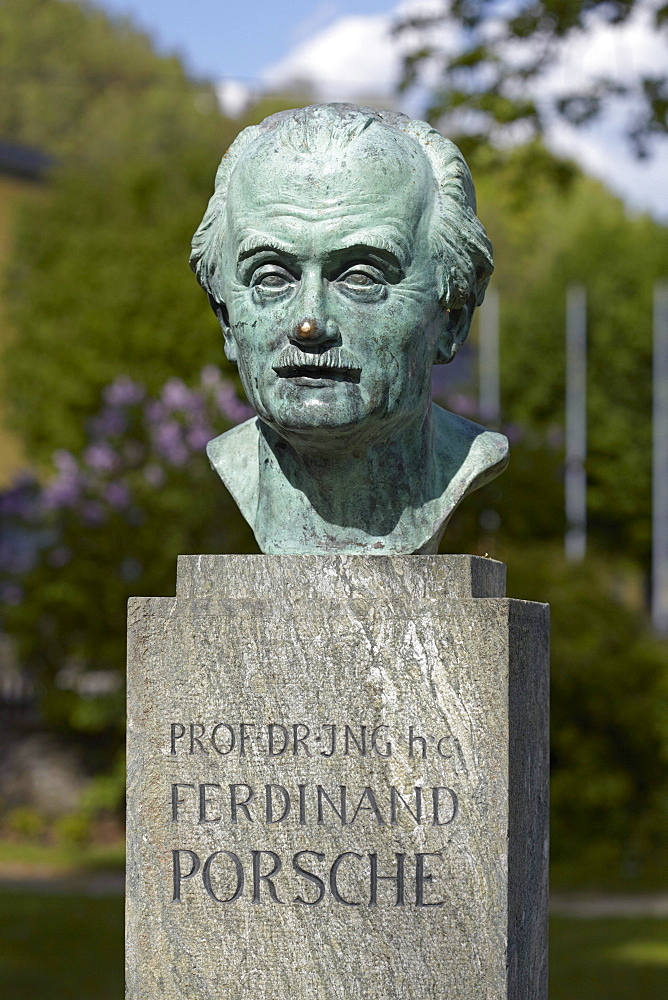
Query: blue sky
[[345, 50], [236, 38]]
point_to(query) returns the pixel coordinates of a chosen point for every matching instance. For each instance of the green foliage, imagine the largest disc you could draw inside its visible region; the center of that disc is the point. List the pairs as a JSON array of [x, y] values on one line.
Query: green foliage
[[583, 235], [101, 285], [609, 729], [609, 718], [73, 829], [25, 822], [63, 947], [88, 87], [555, 237], [105, 792], [486, 89], [109, 525], [608, 959], [103, 797]]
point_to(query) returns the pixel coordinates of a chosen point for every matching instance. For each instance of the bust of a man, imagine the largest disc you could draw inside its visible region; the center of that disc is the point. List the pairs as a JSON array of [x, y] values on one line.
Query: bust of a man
[[343, 258]]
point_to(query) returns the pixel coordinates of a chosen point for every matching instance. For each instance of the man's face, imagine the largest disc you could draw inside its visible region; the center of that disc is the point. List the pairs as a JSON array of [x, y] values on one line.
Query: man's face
[[330, 288]]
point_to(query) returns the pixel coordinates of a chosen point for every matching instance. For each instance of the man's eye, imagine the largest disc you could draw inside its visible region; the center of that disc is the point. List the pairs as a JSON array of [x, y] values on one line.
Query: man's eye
[[359, 279], [272, 280]]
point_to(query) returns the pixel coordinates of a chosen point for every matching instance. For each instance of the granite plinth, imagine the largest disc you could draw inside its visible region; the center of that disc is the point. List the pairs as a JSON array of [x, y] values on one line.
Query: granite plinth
[[337, 782]]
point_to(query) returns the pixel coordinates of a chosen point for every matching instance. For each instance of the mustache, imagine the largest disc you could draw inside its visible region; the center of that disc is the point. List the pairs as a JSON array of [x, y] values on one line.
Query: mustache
[[336, 361]]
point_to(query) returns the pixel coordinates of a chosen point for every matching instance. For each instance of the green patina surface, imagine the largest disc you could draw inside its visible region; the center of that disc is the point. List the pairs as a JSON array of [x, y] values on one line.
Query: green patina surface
[[343, 257]]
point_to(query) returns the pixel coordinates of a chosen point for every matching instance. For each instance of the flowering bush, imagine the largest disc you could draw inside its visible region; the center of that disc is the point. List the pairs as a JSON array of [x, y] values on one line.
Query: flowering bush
[[109, 523]]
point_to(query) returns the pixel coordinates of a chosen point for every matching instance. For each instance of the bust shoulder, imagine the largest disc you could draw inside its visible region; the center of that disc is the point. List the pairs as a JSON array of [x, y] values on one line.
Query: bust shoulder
[[465, 457], [468, 453], [234, 456]]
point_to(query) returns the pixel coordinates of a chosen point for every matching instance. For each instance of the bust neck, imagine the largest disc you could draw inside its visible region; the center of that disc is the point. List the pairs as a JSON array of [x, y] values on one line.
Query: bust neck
[[342, 499], [394, 497]]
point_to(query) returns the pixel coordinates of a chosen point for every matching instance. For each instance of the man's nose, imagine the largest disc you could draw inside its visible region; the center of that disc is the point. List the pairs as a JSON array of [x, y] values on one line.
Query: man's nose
[[313, 324], [311, 330]]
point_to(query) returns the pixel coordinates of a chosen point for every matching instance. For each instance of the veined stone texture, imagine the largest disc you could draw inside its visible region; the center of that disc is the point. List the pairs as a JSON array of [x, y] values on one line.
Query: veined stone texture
[[301, 728]]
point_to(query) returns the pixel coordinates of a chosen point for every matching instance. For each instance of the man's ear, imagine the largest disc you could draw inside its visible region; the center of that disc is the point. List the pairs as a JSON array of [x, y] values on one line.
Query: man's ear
[[223, 318], [454, 331]]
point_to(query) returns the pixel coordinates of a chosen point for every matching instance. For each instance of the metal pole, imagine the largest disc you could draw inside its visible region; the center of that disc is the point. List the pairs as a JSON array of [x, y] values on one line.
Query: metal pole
[[575, 541], [660, 461], [488, 360]]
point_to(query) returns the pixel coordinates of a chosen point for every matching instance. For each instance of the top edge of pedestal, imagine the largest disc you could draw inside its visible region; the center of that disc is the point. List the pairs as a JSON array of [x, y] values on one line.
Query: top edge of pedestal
[[339, 576]]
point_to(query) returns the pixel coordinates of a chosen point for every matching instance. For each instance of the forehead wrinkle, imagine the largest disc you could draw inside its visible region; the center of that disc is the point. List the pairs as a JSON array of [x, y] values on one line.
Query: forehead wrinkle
[[290, 222], [275, 187], [391, 241], [258, 241], [333, 208], [377, 241]]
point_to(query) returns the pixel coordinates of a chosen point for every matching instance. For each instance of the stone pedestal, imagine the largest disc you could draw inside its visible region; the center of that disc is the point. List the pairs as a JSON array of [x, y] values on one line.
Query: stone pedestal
[[337, 782]]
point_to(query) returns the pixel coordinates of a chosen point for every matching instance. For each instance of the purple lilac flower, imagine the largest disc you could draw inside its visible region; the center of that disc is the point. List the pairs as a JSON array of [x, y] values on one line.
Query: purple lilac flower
[[93, 513], [65, 489], [18, 552], [109, 422], [65, 461], [20, 499], [464, 405], [124, 392], [60, 556], [101, 457], [197, 438], [440, 379], [61, 493], [11, 594], [231, 406], [156, 412], [210, 377], [154, 474], [177, 396], [513, 432], [117, 495], [168, 441]]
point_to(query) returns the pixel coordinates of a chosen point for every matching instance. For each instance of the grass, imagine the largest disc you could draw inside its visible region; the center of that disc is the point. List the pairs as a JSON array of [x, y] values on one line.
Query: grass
[[60, 947], [36, 859], [613, 959], [55, 947]]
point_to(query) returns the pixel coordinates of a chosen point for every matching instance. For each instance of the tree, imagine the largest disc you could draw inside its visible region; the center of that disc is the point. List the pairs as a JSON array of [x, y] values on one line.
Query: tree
[[136, 144], [609, 737], [490, 73], [585, 236], [88, 87], [109, 522], [100, 285]]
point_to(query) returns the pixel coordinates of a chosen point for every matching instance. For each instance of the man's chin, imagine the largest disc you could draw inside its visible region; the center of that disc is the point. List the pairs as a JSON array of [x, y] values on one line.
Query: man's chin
[[316, 428], [297, 409]]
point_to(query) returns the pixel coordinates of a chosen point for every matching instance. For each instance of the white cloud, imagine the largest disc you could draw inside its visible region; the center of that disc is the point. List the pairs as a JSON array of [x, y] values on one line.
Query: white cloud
[[234, 96], [356, 57], [642, 184], [353, 57], [316, 20], [620, 53]]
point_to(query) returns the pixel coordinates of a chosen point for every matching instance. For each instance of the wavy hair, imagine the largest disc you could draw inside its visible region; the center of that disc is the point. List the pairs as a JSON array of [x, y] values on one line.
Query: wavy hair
[[459, 243]]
